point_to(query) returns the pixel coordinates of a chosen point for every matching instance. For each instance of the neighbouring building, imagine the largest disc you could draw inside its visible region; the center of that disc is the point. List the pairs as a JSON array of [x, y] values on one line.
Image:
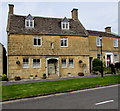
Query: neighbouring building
[[3, 60], [110, 46], [53, 46]]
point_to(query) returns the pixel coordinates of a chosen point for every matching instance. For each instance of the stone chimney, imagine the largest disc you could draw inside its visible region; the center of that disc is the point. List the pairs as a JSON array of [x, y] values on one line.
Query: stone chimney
[[74, 14], [11, 9], [108, 29]]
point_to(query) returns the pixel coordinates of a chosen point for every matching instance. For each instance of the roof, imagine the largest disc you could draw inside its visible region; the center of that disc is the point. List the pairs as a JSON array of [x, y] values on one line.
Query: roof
[[44, 25], [100, 33]]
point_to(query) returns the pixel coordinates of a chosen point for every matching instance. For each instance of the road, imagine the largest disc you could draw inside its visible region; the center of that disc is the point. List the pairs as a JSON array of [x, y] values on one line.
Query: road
[[96, 98]]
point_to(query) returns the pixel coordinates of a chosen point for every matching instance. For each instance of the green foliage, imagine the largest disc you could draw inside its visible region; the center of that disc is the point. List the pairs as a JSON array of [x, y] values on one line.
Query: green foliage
[[4, 77], [97, 65], [96, 62], [17, 78], [44, 76], [117, 65]]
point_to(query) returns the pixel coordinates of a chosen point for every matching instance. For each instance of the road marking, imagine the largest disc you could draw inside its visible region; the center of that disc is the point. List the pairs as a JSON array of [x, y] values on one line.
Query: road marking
[[39, 97], [104, 102]]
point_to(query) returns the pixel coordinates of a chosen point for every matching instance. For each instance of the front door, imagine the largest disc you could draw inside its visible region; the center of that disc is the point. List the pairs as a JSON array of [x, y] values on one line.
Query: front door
[[52, 66], [108, 60]]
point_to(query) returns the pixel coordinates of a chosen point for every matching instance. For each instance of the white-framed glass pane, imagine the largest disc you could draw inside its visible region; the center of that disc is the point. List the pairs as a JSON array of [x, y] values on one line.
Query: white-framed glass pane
[[29, 23], [63, 61], [37, 41], [116, 58], [64, 42], [25, 62], [115, 42], [71, 63], [98, 41], [65, 25], [36, 63]]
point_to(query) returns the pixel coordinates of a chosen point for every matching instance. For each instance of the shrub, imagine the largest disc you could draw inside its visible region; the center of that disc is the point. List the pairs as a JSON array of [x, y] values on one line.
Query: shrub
[[17, 78], [44, 76], [4, 77], [96, 62], [97, 65], [31, 75], [117, 65], [80, 74]]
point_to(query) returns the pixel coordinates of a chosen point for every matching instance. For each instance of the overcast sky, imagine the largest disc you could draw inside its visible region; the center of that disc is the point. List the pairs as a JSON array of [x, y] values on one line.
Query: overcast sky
[[93, 15]]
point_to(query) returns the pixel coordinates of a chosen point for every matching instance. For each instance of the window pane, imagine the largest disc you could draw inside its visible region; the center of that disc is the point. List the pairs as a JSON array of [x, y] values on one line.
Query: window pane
[[98, 41], [116, 58], [36, 63], [25, 62], [71, 63], [66, 25], [31, 23], [39, 41], [63, 41], [63, 25], [38, 60], [27, 23], [63, 63], [115, 42], [35, 41]]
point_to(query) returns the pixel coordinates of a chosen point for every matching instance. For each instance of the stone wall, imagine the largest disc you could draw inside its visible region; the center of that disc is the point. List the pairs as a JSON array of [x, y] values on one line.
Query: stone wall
[[21, 46]]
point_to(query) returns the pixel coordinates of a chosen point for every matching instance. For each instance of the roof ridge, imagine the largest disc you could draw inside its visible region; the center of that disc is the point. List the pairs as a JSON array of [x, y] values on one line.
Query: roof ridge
[[40, 17], [111, 33]]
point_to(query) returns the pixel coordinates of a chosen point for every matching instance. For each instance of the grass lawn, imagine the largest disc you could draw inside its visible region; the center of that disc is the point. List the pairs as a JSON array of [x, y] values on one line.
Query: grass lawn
[[29, 89]]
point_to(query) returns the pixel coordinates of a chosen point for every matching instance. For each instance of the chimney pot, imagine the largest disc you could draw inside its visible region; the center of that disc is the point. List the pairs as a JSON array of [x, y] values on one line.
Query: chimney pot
[[75, 14], [11, 9], [108, 29]]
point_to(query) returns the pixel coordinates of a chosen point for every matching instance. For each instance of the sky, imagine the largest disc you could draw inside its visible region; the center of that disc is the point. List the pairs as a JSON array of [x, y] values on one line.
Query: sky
[[93, 15]]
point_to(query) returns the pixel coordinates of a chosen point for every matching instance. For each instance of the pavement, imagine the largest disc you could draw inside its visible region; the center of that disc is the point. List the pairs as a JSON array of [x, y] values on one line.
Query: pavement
[[41, 80], [95, 98]]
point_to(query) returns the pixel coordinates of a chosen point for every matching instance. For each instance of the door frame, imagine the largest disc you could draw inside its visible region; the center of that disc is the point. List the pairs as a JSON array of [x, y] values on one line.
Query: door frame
[[111, 54], [57, 65]]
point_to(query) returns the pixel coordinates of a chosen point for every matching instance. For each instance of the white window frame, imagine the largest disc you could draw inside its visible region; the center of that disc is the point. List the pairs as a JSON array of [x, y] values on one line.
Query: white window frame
[[38, 65], [115, 43], [29, 23], [116, 59], [65, 25], [98, 42], [64, 66], [25, 64], [69, 63], [37, 41], [64, 39]]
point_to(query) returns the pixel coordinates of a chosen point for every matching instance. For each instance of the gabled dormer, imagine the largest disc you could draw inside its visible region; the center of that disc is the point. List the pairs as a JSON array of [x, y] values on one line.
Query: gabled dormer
[[65, 24], [29, 22]]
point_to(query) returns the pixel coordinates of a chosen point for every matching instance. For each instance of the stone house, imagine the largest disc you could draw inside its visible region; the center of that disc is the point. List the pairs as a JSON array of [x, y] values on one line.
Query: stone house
[[56, 47], [3, 60], [110, 46]]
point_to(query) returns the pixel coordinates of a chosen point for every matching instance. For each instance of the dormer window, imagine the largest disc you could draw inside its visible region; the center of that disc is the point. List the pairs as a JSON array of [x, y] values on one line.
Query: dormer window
[[29, 22], [65, 24]]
